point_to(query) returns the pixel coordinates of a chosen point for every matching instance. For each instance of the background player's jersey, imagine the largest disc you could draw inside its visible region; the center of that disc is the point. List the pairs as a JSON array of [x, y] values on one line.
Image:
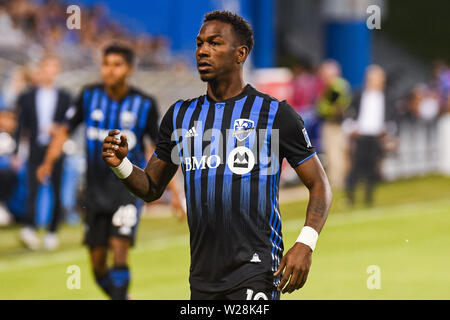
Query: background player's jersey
[[136, 115], [230, 153]]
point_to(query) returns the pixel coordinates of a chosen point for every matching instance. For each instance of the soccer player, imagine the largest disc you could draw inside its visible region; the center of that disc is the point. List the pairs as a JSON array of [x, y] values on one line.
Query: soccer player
[[226, 142], [112, 213]]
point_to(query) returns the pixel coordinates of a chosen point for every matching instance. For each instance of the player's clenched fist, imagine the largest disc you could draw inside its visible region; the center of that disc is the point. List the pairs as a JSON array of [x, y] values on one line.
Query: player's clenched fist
[[114, 149]]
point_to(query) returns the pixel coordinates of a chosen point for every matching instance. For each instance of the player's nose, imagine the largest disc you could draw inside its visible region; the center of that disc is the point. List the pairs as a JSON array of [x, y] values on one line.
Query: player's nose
[[202, 51]]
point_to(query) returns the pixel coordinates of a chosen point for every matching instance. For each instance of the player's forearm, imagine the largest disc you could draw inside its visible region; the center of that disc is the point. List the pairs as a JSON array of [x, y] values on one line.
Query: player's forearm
[[55, 148], [141, 185], [313, 176], [320, 198]]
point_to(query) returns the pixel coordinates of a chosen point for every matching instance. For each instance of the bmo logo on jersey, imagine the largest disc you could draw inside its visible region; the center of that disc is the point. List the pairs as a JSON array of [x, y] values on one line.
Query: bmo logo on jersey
[[241, 160], [193, 163]]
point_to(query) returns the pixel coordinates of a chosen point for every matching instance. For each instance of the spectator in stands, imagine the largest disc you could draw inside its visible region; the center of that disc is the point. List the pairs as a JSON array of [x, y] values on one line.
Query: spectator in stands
[[424, 103], [15, 83], [441, 83], [333, 99], [41, 109], [373, 114], [30, 26], [11, 35], [24, 16], [305, 86]]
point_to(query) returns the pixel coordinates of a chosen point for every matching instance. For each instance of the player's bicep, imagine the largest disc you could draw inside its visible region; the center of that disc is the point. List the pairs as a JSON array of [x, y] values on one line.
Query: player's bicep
[[311, 172]]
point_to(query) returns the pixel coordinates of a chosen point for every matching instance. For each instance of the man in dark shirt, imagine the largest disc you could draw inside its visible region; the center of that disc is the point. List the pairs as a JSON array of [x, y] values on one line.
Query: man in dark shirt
[[41, 110]]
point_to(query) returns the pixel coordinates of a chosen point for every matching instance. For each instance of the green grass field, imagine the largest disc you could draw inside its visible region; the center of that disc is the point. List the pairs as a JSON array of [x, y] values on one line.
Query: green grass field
[[406, 234]]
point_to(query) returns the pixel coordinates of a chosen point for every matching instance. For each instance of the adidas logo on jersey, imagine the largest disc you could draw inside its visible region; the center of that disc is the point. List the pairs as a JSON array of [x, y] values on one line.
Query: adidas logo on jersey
[[191, 133]]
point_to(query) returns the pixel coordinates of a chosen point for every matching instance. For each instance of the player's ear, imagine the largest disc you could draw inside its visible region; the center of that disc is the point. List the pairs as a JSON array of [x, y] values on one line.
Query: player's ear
[[241, 54]]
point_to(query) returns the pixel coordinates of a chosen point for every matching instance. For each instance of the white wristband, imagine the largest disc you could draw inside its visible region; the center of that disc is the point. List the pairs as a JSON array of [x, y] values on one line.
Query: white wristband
[[124, 169], [308, 236]]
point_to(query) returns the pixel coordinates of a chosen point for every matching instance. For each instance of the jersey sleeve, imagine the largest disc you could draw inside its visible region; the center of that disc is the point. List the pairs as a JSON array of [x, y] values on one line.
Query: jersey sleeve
[[74, 114], [165, 144], [152, 123], [295, 144], [65, 101]]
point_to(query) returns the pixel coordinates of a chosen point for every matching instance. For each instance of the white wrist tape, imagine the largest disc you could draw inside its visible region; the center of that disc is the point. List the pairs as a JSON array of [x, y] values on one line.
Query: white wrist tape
[[308, 236], [124, 169]]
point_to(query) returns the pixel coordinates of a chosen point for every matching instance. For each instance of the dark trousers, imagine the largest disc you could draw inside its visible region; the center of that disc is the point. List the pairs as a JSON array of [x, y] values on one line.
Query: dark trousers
[[366, 155], [37, 155], [8, 180]]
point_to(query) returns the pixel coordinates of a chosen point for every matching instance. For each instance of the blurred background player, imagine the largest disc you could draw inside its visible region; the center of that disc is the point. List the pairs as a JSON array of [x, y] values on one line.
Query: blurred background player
[[112, 213], [374, 114], [41, 109]]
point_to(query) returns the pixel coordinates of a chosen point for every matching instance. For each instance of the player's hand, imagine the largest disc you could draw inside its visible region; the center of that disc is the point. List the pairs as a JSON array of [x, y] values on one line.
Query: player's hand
[[296, 263], [15, 163], [355, 134], [43, 172], [114, 149], [178, 210]]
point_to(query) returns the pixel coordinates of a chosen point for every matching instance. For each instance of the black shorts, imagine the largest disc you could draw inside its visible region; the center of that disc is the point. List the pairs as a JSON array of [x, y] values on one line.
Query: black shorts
[[100, 226], [260, 287]]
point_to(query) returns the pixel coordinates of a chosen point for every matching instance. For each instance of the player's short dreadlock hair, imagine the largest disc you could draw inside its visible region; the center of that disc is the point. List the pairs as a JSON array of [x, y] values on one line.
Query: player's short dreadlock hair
[[240, 26], [125, 51]]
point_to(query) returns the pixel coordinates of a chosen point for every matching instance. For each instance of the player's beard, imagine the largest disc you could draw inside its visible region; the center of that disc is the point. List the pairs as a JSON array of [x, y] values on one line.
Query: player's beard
[[207, 76], [114, 84]]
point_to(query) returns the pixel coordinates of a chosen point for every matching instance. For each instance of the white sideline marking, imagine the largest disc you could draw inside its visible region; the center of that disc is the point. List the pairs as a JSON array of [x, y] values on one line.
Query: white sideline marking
[[81, 253]]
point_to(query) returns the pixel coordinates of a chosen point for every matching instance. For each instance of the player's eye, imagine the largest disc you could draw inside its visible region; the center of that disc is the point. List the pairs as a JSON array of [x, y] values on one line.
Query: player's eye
[[213, 43], [199, 44]]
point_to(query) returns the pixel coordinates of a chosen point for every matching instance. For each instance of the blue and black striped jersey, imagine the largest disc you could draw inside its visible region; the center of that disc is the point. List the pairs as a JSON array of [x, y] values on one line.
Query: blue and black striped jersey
[[230, 153], [136, 115]]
